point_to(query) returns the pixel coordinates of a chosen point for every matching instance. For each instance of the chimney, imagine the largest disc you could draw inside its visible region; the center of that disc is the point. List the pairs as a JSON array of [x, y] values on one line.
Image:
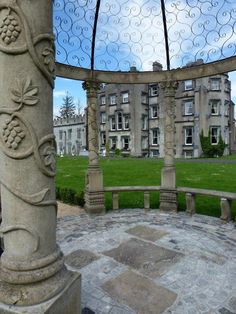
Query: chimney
[[133, 69], [156, 66]]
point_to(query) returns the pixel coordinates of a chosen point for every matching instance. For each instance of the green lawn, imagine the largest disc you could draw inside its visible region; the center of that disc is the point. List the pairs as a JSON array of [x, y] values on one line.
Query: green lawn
[[131, 171]]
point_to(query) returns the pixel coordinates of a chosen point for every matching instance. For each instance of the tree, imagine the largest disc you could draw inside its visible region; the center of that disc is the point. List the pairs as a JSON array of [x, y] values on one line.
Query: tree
[[67, 108]]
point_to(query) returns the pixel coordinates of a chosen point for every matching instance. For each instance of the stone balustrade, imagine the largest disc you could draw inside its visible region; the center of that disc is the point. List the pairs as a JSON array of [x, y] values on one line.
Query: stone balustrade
[[116, 189], [226, 198]]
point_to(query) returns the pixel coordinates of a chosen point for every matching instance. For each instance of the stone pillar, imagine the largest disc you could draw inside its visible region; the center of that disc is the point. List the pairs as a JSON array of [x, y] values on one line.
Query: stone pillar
[[146, 200], [115, 200], [32, 267], [225, 206], [190, 203], [94, 194], [168, 193]]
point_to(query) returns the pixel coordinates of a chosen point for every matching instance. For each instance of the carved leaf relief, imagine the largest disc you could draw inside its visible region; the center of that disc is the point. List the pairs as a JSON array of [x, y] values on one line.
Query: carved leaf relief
[[25, 93], [49, 59], [9, 29], [49, 154]]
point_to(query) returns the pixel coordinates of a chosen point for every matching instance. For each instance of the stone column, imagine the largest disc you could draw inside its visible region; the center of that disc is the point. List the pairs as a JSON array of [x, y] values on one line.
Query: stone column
[[32, 268], [94, 194], [168, 193]]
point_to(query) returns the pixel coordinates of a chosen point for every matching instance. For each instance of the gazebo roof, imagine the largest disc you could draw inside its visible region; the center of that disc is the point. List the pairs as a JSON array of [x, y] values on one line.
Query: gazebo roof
[[116, 35]]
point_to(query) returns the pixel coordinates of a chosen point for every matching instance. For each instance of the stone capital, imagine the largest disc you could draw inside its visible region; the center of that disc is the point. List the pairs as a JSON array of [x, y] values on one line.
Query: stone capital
[[169, 88], [91, 87]]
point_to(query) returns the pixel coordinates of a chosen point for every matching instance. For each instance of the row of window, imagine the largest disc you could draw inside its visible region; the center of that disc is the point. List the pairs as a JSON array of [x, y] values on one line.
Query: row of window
[[188, 108], [113, 99], [214, 107], [119, 122], [69, 148], [125, 142], [122, 122], [214, 85], [214, 135], [68, 134], [155, 138], [188, 135]]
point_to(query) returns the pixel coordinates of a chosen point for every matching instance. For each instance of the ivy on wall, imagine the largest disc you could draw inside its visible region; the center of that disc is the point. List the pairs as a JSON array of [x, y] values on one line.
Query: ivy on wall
[[210, 150]]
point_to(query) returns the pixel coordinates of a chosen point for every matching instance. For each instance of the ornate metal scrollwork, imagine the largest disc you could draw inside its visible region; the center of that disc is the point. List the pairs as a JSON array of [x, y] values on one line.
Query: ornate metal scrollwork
[[130, 33]]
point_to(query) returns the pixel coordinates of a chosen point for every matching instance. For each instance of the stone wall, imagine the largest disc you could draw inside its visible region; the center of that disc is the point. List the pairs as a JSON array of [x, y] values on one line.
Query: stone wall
[[70, 135]]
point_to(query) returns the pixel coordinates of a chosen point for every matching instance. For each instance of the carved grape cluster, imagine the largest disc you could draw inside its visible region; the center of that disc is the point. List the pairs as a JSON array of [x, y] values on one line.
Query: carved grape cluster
[[9, 29], [12, 133]]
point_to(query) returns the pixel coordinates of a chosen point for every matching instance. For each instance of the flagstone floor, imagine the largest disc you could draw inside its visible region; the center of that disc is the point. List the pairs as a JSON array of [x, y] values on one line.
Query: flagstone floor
[[150, 263]]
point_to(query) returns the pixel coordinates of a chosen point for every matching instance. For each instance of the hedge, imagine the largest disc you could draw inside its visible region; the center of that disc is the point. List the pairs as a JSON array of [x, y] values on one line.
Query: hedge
[[70, 196]]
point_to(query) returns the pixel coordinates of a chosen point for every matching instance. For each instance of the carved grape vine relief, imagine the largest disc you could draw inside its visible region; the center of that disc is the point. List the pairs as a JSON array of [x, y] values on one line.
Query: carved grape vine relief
[[14, 25], [9, 28], [12, 133], [19, 140]]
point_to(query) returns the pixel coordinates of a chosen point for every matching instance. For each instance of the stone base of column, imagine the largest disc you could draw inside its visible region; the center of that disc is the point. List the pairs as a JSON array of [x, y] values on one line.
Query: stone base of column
[[168, 193], [67, 300], [94, 195], [94, 202], [168, 200]]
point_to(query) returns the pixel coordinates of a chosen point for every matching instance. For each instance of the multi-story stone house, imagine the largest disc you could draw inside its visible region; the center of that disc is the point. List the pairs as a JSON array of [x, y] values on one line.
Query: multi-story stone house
[[132, 116], [70, 134], [122, 109]]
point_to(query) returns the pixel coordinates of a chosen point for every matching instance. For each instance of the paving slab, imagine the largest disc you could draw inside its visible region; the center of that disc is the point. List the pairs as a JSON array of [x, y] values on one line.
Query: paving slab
[[148, 258], [147, 233], [140, 293], [80, 258], [232, 304], [203, 277]]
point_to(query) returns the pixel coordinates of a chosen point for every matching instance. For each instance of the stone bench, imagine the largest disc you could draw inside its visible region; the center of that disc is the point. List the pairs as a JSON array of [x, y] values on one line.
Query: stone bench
[[225, 200], [190, 193], [115, 190]]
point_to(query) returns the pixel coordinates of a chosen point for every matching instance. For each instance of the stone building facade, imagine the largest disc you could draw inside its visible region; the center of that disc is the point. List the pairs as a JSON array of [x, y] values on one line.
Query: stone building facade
[[70, 134], [131, 117]]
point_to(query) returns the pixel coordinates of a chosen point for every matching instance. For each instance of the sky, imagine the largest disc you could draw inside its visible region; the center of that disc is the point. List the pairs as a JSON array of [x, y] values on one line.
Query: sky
[[74, 89], [130, 32]]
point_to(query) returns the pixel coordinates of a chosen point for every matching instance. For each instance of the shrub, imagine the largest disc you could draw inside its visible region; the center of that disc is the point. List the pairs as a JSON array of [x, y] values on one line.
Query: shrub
[[220, 146], [117, 152], [210, 150], [70, 196], [79, 199], [107, 147]]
